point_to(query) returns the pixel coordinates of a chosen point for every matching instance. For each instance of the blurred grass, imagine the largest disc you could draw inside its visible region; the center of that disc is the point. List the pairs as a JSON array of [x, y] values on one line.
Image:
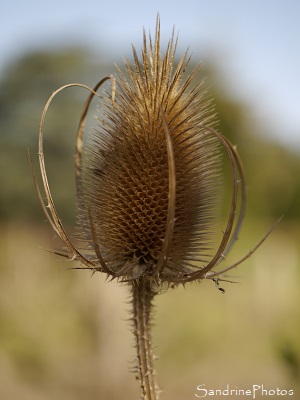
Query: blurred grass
[[65, 335]]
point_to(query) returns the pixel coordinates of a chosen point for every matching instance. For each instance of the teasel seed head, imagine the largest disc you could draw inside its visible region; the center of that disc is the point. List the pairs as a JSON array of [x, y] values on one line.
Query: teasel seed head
[[133, 187], [148, 178]]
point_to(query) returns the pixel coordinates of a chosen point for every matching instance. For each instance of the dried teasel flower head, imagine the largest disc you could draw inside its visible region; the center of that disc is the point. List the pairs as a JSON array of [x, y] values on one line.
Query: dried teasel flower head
[[150, 173], [148, 179]]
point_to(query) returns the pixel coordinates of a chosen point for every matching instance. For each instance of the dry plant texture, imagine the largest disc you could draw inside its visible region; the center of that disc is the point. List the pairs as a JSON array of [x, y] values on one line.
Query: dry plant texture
[[148, 187]]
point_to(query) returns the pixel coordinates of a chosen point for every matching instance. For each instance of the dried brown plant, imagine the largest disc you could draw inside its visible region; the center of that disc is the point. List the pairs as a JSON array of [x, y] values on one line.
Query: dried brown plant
[[148, 187]]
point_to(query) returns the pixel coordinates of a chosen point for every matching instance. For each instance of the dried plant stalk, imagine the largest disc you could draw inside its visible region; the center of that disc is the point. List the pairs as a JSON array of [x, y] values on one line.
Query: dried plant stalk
[[148, 187], [142, 306]]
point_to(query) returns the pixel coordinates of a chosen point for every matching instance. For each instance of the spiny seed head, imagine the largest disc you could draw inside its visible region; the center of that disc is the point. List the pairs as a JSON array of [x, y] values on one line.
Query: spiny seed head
[[151, 207], [148, 181]]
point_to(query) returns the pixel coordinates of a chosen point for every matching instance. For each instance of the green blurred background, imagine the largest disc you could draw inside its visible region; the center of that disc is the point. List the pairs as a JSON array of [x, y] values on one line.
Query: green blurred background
[[65, 335]]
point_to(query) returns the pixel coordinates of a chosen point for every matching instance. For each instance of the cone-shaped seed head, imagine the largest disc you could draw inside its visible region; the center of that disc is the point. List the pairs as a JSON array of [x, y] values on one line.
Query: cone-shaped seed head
[[125, 173]]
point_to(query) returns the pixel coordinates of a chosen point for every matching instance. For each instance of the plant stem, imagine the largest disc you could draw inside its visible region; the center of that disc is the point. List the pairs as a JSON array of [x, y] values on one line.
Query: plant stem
[[142, 312]]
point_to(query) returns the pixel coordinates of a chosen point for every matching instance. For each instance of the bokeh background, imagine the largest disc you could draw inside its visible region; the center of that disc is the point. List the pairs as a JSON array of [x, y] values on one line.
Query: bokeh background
[[65, 335]]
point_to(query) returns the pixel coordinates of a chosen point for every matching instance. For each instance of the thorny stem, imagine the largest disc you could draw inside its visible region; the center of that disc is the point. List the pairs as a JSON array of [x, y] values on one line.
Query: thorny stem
[[142, 310]]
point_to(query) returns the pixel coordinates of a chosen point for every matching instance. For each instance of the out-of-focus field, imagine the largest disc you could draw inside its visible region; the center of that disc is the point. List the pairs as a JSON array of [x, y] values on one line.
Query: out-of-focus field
[[66, 335]]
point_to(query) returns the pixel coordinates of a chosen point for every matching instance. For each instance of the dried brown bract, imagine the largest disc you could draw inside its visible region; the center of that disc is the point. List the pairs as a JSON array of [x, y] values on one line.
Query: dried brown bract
[[148, 186]]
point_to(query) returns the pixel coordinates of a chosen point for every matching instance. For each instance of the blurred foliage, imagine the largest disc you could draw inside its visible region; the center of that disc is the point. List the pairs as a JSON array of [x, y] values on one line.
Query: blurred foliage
[[272, 171]]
